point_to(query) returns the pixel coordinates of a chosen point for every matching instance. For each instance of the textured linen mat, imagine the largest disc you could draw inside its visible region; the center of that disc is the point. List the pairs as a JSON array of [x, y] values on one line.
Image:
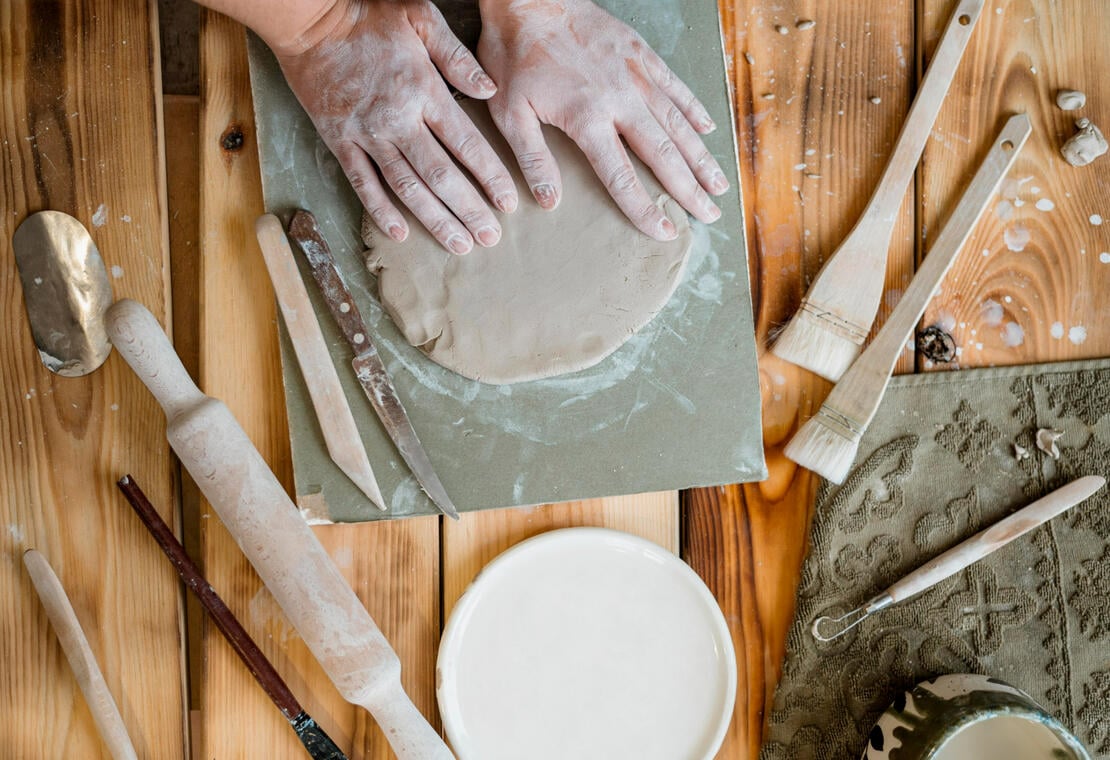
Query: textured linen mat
[[937, 465]]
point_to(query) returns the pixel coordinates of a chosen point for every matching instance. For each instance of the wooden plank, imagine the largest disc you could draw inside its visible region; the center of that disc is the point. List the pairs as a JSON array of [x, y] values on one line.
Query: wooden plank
[[747, 542], [1044, 299], [80, 132], [469, 544], [393, 567]]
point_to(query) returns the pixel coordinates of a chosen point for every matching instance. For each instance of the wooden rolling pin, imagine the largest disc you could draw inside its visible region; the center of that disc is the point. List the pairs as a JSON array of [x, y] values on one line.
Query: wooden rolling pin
[[254, 507]]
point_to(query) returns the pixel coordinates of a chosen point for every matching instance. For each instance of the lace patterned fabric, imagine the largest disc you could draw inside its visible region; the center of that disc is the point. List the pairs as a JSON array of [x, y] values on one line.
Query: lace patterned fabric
[[937, 465]]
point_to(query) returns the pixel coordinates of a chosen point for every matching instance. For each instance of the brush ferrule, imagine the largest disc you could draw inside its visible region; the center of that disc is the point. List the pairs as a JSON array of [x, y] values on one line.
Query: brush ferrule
[[836, 324], [841, 424]]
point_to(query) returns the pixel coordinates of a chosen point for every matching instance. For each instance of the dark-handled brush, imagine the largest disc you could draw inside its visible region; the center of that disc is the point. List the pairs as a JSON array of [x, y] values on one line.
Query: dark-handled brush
[[315, 740]]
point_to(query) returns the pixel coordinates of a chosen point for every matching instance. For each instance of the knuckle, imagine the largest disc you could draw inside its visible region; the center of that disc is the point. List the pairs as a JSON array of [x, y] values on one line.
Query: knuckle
[[469, 148], [406, 187], [621, 180], [361, 182], [532, 161], [473, 217], [705, 160], [673, 120], [646, 213], [438, 176], [459, 56], [665, 149], [442, 229]]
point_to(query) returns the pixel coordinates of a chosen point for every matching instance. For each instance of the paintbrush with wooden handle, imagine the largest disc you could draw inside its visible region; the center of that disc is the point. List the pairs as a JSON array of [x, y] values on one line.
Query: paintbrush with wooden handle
[[829, 441], [257, 512], [827, 332]]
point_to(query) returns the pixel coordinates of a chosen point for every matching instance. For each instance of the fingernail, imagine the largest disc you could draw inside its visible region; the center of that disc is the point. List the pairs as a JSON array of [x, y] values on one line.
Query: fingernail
[[488, 236], [484, 82], [545, 194], [666, 227], [708, 125], [713, 211], [396, 231], [459, 244], [717, 183], [506, 203]]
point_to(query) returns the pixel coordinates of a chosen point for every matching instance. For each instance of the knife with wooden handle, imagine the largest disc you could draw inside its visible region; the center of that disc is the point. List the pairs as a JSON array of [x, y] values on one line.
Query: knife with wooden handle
[[288, 557], [80, 655]]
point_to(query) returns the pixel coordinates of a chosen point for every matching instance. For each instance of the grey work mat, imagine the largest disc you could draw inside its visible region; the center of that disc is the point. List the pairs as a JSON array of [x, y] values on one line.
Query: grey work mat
[[936, 466], [677, 406]]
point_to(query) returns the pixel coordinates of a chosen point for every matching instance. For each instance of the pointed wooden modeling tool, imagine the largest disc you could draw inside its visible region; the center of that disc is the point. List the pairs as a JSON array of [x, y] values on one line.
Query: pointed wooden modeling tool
[[367, 363], [964, 555], [80, 655], [315, 739], [829, 441], [254, 507], [332, 411], [835, 317]]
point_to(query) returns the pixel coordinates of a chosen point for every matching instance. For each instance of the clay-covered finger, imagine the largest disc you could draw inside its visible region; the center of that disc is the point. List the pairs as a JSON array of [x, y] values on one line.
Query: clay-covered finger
[[656, 149], [606, 154], [521, 129], [689, 143], [425, 206], [368, 187], [677, 91], [444, 179], [453, 59], [457, 132]]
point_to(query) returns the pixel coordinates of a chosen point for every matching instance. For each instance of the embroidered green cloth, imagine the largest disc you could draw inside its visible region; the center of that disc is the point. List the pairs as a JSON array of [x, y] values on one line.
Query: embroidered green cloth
[[937, 465]]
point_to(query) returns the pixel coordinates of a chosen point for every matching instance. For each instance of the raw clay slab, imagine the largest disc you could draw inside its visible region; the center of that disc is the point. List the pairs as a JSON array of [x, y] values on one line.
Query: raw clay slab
[[677, 406]]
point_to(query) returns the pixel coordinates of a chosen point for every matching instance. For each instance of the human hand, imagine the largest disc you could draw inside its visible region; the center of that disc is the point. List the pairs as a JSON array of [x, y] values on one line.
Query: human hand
[[570, 64], [367, 78]]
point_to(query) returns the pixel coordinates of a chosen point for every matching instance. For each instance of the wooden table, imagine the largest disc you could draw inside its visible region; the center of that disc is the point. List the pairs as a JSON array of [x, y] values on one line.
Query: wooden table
[[84, 129]]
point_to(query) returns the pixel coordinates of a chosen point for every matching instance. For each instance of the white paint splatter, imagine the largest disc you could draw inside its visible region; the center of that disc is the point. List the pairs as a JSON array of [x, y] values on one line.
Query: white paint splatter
[[100, 218], [126, 219], [16, 532], [992, 312], [1035, 190], [1013, 335], [1044, 204], [1077, 334], [986, 251], [1057, 330], [1096, 220], [1104, 257], [117, 271], [1017, 237]]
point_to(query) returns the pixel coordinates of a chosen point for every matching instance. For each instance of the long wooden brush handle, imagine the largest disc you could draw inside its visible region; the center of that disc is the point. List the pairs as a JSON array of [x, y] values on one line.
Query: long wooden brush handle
[[995, 537], [241, 641], [288, 557], [858, 393], [877, 222], [80, 656]]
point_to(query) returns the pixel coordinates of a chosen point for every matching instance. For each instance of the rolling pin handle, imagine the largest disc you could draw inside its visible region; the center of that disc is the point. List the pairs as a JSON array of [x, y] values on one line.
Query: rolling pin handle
[[139, 338], [409, 733]]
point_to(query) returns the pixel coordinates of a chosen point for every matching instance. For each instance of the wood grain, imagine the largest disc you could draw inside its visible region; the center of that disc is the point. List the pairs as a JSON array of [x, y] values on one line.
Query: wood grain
[[68, 71], [1047, 301], [747, 542], [393, 567]]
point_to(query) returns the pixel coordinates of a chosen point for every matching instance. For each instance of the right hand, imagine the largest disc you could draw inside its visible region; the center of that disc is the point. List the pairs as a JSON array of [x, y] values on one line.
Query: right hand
[[367, 76]]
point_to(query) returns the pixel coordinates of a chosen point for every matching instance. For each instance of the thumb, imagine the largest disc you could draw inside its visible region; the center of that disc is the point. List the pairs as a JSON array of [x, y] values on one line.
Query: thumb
[[453, 59]]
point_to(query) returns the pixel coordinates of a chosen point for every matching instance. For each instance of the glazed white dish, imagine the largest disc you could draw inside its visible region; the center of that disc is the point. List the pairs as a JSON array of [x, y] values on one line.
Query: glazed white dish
[[586, 643]]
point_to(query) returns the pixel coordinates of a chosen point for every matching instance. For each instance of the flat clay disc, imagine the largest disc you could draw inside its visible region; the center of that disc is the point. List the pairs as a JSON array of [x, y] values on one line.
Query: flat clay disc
[[560, 292]]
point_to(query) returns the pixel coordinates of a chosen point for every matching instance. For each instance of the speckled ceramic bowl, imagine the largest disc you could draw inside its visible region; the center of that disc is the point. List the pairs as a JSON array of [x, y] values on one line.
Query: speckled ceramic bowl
[[969, 717]]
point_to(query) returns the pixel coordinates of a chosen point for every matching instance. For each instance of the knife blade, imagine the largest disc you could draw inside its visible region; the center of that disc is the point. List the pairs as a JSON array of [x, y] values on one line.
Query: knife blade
[[367, 364]]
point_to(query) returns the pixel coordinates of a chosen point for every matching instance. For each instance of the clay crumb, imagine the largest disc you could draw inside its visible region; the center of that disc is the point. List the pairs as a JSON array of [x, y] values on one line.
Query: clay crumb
[[804, 24], [1085, 145], [1020, 452], [875, 99], [1046, 441], [1070, 100], [782, 29], [768, 96], [750, 59]]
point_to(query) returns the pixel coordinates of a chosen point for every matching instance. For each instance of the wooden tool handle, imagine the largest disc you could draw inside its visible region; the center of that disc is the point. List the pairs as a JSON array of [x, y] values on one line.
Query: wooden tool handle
[[860, 390], [241, 641], [80, 656], [255, 509], [877, 223], [995, 537]]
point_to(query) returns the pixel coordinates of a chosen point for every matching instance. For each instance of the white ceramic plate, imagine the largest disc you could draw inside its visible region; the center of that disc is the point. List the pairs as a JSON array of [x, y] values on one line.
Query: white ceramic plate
[[586, 643]]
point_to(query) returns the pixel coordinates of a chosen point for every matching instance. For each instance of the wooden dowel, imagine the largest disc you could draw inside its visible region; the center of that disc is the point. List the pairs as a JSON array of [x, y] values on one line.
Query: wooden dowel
[[224, 619]]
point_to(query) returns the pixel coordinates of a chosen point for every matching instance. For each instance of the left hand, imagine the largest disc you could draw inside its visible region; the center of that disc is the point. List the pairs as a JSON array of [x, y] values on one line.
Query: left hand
[[570, 64]]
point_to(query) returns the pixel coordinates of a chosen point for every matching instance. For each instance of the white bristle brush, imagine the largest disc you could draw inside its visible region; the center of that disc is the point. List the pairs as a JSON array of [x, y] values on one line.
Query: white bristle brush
[[827, 332], [829, 441]]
